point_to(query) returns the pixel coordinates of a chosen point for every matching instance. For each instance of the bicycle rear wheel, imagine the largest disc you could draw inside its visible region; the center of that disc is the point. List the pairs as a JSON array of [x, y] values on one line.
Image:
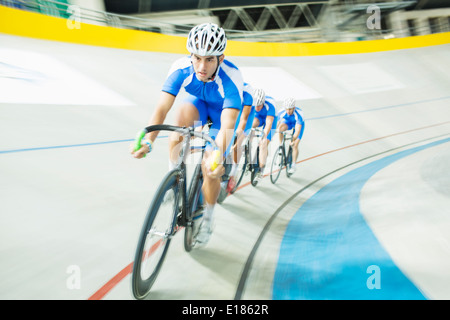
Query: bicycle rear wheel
[[195, 206], [289, 162], [154, 239], [277, 165]]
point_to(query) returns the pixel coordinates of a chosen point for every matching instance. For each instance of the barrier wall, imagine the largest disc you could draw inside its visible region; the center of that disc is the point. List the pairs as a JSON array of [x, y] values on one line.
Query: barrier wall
[[35, 25]]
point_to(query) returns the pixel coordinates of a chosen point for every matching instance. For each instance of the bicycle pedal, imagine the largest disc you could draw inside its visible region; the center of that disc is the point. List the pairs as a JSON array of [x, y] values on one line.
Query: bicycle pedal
[[181, 221]]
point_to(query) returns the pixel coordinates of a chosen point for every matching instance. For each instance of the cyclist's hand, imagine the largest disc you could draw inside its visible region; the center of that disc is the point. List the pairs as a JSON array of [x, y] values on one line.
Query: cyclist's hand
[[212, 172], [141, 152], [217, 173]]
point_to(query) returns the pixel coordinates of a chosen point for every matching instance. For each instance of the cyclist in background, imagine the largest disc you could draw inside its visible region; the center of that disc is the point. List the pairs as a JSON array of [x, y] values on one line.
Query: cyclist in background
[[291, 117], [243, 125], [215, 88], [265, 117]]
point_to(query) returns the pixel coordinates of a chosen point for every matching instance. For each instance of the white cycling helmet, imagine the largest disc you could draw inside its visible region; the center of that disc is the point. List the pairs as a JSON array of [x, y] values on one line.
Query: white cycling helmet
[[289, 103], [207, 39], [259, 97]]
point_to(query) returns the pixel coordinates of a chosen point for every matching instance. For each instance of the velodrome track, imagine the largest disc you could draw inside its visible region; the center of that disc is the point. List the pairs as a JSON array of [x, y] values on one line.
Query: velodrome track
[[366, 215]]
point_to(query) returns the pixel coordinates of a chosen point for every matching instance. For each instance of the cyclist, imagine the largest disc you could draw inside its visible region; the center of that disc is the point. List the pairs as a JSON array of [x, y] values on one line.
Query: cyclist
[[215, 88], [243, 125], [291, 117], [265, 117]]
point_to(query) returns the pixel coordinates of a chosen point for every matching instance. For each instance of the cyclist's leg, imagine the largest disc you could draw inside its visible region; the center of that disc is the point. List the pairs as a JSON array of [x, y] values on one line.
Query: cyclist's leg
[[294, 153], [223, 124], [246, 132], [264, 148], [290, 167], [256, 124], [262, 145], [191, 112], [282, 127], [296, 143], [211, 186], [235, 150]]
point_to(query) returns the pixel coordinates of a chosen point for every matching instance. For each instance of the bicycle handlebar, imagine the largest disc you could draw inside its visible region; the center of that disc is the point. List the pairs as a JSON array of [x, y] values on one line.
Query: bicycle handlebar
[[183, 130], [288, 134], [258, 131]]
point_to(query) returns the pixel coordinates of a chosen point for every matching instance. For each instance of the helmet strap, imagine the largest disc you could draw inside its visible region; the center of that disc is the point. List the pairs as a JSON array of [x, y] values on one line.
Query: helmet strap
[[215, 72], [217, 69]]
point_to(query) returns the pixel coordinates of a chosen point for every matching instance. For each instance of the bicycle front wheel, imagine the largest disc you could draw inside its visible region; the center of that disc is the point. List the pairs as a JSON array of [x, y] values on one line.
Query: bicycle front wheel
[[159, 226], [277, 165], [195, 213]]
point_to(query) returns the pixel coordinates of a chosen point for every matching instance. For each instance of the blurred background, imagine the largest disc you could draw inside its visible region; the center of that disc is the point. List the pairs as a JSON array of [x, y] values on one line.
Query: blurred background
[[261, 20], [72, 198]]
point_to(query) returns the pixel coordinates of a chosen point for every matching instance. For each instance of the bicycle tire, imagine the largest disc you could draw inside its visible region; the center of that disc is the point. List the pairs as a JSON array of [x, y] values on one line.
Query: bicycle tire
[[194, 204], [148, 252], [277, 165], [242, 167], [289, 162], [255, 167]]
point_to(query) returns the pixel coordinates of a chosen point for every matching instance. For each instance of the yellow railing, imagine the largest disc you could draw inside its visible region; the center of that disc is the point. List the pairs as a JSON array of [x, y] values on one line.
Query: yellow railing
[[35, 25]]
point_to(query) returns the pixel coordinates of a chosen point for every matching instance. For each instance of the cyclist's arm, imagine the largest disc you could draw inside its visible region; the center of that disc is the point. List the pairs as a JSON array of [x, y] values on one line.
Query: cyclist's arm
[[246, 109], [224, 137], [166, 101], [298, 124], [268, 127], [244, 118], [298, 128]]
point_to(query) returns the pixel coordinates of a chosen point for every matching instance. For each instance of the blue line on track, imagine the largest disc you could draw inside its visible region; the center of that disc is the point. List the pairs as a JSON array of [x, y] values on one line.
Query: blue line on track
[[379, 108], [328, 248], [64, 146], [69, 146], [308, 119]]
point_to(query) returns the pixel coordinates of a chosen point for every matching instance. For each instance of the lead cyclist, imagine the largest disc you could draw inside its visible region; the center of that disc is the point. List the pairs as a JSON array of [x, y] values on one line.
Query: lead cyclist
[[215, 90]]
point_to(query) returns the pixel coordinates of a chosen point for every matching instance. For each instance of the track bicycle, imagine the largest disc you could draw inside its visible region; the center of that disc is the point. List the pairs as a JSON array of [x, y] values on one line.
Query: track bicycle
[[174, 206], [281, 158], [249, 161]]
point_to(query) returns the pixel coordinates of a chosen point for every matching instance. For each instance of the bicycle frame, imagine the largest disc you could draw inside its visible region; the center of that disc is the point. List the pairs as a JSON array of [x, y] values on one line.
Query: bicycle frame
[[187, 133], [156, 234], [246, 156], [287, 136], [284, 161], [247, 143]]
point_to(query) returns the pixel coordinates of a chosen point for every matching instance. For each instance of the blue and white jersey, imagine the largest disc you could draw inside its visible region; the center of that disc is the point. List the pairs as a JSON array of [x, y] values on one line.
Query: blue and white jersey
[[224, 91], [247, 101], [268, 109], [247, 95], [294, 119]]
